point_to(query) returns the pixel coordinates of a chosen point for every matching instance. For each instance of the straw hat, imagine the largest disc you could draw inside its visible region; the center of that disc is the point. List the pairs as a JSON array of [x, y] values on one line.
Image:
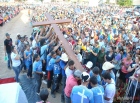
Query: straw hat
[[64, 57], [107, 66]]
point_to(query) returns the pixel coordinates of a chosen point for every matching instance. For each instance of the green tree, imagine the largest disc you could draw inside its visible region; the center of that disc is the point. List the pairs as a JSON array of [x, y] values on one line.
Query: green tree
[[125, 2]]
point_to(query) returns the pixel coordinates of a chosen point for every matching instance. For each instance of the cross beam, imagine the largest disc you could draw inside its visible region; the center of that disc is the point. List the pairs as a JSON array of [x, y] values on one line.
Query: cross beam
[[65, 44], [44, 23]]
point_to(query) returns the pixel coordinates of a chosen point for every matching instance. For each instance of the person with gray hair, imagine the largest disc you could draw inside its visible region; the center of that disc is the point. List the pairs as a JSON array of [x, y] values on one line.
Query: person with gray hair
[[70, 83], [81, 93]]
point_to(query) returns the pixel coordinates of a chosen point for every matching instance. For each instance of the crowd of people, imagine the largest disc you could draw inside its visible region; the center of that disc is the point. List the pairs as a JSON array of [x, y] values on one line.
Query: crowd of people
[[7, 12], [105, 41]]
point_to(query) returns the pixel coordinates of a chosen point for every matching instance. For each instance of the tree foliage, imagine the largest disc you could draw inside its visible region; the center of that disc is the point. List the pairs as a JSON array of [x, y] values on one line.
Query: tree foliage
[[125, 2]]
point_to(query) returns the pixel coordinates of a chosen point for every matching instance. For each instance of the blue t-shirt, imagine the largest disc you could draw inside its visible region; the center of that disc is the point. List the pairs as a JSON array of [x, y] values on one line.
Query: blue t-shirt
[[37, 66], [81, 94], [47, 60], [18, 41], [43, 52], [98, 77], [98, 94], [56, 68], [50, 64], [28, 61], [62, 65]]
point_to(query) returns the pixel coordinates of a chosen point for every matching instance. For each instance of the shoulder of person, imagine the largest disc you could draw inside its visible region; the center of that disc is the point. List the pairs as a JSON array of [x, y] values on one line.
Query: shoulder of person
[[110, 87], [39, 102]]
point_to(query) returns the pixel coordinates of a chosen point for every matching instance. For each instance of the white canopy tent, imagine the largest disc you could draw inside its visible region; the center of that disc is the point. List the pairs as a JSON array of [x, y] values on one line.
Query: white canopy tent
[[12, 93]]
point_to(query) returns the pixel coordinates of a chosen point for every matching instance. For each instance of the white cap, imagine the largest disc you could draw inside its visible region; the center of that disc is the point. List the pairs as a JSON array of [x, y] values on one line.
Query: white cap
[[89, 64], [64, 57]]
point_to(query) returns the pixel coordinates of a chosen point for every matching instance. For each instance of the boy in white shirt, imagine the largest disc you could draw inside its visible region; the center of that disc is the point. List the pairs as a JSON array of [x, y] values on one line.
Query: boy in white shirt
[[110, 88]]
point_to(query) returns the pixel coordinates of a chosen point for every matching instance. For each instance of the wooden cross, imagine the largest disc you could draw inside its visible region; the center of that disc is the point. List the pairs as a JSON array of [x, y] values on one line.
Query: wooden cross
[[65, 44]]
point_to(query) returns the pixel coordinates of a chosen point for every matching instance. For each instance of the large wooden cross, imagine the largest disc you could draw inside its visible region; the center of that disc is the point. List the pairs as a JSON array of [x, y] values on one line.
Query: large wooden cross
[[65, 44]]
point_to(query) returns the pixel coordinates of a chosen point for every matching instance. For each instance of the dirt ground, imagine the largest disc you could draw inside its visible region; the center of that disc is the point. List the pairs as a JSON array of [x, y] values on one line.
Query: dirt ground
[[19, 24]]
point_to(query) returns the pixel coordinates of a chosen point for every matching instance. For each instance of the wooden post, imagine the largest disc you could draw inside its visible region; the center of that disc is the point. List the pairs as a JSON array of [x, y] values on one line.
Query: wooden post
[[65, 44]]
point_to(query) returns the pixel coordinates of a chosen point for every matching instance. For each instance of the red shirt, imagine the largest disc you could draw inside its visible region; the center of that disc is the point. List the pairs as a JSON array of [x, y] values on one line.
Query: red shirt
[[125, 65], [70, 83], [72, 42]]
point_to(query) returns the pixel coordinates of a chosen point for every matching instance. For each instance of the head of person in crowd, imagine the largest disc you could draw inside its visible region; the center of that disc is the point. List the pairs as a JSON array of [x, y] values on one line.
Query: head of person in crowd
[[138, 51], [7, 36], [18, 36], [22, 39], [13, 49], [89, 65], [85, 78], [79, 41], [71, 65], [96, 71], [44, 94], [102, 49], [106, 77], [129, 56], [111, 49], [77, 75], [31, 39], [119, 50], [36, 57], [137, 60], [53, 54], [107, 66], [42, 42], [27, 47], [96, 44], [58, 51], [93, 81], [64, 57], [50, 48], [69, 30]]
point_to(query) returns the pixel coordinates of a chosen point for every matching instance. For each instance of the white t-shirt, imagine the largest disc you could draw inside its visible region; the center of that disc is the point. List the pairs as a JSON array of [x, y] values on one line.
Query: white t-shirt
[[68, 72], [101, 44], [79, 57], [92, 41], [15, 63], [110, 90], [34, 45]]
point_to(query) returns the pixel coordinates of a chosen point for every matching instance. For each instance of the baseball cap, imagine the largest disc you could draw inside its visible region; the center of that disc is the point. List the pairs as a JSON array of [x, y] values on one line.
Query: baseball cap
[[77, 73], [85, 77], [7, 34], [89, 64]]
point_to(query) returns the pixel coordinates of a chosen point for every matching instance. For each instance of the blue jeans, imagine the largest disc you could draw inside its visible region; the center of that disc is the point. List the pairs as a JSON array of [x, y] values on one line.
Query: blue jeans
[[63, 87], [23, 64], [67, 99], [17, 72], [9, 59], [55, 85], [37, 78], [29, 73]]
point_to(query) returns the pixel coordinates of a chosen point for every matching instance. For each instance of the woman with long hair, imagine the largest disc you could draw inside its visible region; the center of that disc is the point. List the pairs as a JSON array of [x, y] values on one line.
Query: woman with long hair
[[125, 64], [16, 63]]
